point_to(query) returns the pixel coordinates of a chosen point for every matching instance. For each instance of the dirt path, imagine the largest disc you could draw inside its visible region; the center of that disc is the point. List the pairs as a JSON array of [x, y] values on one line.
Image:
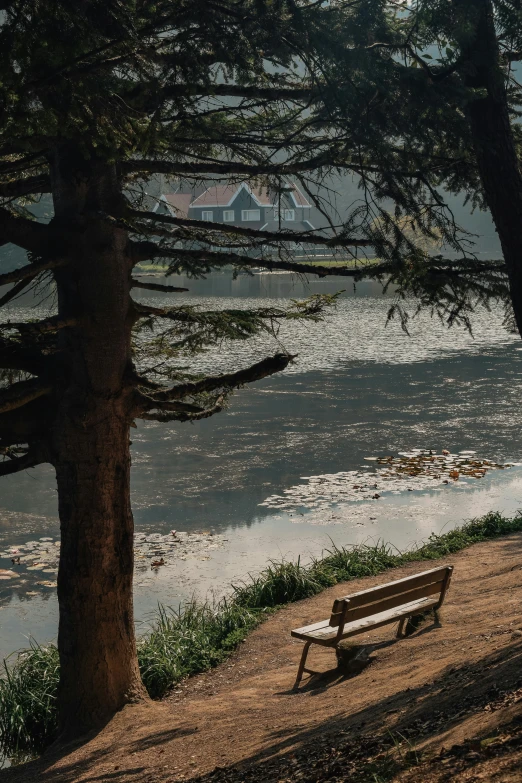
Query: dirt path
[[440, 687]]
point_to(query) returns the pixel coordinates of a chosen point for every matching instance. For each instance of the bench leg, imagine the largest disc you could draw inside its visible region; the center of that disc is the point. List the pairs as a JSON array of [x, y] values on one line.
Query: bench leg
[[302, 665], [400, 629]]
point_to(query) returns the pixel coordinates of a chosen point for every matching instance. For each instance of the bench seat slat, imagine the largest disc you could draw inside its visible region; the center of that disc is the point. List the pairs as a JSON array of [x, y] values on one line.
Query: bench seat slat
[[323, 633], [363, 597]]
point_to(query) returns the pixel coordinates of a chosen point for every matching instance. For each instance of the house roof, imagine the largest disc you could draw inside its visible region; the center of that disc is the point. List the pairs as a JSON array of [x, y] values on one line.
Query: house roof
[[179, 202], [298, 196], [216, 196], [224, 195]]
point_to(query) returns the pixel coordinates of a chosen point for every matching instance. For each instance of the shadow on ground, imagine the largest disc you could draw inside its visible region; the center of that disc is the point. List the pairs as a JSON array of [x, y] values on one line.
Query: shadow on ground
[[334, 747]]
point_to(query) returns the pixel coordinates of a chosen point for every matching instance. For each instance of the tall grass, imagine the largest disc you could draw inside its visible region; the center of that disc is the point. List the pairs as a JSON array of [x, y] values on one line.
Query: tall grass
[[281, 583], [28, 688], [190, 640], [184, 641]]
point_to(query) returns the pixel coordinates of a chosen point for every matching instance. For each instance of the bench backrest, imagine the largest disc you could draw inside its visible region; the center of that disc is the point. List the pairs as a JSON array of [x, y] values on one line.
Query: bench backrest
[[378, 599]]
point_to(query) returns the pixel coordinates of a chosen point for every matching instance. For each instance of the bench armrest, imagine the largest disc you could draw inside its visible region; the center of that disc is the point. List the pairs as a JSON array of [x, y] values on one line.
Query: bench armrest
[[344, 611]]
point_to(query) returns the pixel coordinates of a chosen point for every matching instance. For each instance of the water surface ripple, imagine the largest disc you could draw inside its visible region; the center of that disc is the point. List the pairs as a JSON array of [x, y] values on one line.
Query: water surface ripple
[[359, 388]]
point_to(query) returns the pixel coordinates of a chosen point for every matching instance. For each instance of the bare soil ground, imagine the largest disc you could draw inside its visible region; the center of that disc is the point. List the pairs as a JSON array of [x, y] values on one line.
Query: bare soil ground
[[442, 705]]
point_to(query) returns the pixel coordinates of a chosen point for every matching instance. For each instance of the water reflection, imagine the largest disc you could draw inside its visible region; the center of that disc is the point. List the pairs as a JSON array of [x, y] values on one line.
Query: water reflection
[[360, 388]]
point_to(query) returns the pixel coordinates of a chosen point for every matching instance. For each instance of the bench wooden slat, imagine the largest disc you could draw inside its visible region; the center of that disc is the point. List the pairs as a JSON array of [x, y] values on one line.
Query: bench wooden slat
[[313, 626], [373, 594], [326, 634], [387, 603]]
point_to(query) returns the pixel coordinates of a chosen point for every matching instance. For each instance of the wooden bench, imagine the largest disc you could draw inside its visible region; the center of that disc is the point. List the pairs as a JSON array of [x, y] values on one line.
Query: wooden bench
[[382, 605]]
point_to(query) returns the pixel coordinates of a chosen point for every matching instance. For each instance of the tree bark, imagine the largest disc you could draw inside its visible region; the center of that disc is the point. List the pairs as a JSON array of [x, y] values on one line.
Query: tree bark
[[494, 144], [91, 452]]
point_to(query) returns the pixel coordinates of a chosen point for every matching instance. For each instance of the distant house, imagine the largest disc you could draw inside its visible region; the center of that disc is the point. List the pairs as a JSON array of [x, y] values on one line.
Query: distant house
[[243, 204]]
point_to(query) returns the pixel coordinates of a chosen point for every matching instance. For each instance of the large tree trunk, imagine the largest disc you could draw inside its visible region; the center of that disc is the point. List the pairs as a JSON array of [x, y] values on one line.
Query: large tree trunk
[[493, 142], [90, 449]]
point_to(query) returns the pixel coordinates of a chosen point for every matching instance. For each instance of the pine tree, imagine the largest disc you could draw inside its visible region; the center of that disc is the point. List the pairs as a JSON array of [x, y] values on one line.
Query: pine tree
[[447, 103], [97, 101]]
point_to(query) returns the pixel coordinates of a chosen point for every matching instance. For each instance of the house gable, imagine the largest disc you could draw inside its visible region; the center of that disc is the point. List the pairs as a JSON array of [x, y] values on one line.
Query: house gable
[[246, 204], [237, 205]]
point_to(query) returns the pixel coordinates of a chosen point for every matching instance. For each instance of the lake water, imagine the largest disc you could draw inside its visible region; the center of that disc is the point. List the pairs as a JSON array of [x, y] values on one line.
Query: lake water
[[359, 388]]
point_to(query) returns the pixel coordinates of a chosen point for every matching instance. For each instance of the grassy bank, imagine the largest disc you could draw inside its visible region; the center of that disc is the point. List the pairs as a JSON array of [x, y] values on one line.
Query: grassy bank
[[330, 261], [193, 639]]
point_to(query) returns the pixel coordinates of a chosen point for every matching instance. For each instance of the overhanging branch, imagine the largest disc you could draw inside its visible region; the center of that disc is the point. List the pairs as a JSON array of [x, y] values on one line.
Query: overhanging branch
[[30, 271], [436, 266], [239, 91], [53, 324], [230, 168], [41, 183], [16, 355], [144, 403], [15, 290], [255, 372], [162, 414], [166, 289], [148, 251], [25, 233], [27, 424], [19, 394], [35, 456], [276, 236]]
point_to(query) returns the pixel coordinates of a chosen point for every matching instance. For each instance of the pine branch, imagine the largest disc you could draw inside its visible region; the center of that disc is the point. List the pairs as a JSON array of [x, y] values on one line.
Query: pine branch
[[228, 228], [21, 164], [144, 402], [28, 424], [30, 271], [53, 324], [40, 183], [435, 266], [19, 394], [149, 251], [231, 168], [25, 233], [311, 308], [166, 289], [177, 407], [256, 372], [35, 456], [162, 414], [15, 355], [15, 290], [327, 160], [297, 94]]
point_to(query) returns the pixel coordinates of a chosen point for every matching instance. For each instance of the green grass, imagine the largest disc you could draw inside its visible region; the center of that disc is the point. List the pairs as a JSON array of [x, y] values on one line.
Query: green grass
[[182, 642], [190, 640], [156, 267], [28, 701]]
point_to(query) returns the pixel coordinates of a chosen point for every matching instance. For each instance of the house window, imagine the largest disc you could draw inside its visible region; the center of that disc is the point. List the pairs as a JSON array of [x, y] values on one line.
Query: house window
[[289, 214], [250, 214], [228, 216], [208, 216]]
